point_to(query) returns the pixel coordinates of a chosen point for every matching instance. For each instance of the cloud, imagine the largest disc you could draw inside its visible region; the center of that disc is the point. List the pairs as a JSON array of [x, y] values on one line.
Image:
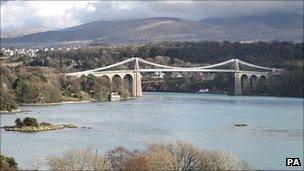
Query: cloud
[[16, 15], [48, 15], [194, 10], [203, 9]]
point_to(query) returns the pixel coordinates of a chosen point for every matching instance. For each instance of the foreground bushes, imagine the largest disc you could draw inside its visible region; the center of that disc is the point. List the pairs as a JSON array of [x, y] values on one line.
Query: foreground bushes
[[78, 160], [7, 163], [179, 156]]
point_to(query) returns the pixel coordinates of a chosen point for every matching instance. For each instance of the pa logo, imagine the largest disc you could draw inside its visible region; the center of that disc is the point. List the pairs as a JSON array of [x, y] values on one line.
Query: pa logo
[[293, 162]]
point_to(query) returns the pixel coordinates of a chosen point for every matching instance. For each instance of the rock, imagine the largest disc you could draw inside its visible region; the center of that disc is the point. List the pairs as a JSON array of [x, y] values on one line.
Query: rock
[[69, 126], [45, 124], [241, 124], [88, 127]]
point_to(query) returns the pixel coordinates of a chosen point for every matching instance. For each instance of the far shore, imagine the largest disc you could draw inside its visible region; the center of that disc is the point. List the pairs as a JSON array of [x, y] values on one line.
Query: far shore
[[42, 104], [53, 104], [11, 112], [56, 103], [67, 102]]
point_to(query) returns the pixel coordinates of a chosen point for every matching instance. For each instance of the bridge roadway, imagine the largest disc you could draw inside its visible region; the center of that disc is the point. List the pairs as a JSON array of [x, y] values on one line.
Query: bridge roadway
[[100, 73]]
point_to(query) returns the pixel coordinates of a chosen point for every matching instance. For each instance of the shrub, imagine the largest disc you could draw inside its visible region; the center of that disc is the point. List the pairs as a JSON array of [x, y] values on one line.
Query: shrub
[[217, 160], [18, 122], [117, 156], [36, 88], [188, 156], [26, 122], [7, 104], [138, 161], [125, 93], [30, 122], [184, 156], [161, 157], [122, 159], [78, 160], [7, 163]]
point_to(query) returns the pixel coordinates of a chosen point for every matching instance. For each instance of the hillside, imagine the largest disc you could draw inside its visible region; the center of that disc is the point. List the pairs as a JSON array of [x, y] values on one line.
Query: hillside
[[276, 26]]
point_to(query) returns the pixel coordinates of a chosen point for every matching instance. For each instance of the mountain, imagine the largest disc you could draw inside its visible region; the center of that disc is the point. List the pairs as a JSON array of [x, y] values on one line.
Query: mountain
[[275, 26], [20, 33]]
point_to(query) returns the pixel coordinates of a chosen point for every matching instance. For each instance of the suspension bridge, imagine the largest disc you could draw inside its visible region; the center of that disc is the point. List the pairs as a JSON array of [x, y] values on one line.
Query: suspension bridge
[[244, 75]]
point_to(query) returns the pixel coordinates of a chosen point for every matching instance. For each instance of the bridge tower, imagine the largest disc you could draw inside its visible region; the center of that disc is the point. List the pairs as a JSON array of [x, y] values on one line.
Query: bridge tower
[[137, 89], [236, 82]]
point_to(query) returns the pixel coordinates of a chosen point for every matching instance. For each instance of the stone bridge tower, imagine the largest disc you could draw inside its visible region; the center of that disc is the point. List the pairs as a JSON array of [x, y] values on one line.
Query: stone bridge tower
[[241, 81], [137, 88], [236, 81]]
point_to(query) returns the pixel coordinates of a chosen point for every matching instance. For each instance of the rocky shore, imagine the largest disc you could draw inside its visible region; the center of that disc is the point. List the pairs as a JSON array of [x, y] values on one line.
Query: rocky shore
[[39, 128], [10, 112], [56, 103]]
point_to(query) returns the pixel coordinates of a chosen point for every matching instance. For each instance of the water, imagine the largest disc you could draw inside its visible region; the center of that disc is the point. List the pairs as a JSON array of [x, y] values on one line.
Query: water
[[274, 132]]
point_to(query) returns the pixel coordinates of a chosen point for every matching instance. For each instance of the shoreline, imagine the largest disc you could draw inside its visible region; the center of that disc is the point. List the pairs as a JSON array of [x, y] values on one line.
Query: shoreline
[[42, 104], [67, 102], [39, 128], [11, 112], [55, 103], [215, 93]]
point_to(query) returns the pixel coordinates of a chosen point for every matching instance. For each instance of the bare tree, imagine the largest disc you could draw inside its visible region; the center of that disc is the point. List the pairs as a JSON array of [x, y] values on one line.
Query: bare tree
[[180, 156], [161, 157], [78, 160]]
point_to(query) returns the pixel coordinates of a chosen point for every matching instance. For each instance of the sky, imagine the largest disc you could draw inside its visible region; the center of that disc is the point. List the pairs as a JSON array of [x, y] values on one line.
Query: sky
[[34, 16]]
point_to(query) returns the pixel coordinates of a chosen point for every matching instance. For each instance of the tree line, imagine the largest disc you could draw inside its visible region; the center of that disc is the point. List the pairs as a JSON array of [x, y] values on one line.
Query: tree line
[[272, 54]]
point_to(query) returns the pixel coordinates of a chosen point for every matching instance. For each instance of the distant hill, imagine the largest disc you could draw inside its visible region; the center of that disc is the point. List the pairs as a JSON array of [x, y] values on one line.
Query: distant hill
[[275, 26]]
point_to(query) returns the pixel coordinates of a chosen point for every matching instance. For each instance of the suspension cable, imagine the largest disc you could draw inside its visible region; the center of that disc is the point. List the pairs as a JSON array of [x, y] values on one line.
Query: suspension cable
[[252, 65]]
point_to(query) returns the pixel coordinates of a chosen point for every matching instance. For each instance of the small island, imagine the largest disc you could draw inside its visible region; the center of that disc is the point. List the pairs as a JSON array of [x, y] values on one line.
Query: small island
[[31, 125]]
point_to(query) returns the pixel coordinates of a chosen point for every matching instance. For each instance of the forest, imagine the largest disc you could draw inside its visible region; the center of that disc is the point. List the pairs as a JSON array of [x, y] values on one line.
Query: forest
[[271, 54]]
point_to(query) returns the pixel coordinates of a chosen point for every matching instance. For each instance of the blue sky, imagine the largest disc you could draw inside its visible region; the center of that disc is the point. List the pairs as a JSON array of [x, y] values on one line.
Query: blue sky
[[48, 15]]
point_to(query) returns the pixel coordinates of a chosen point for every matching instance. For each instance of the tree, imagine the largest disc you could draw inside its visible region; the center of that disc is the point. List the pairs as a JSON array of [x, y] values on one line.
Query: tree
[[18, 122], [28, 121], [78, 160], [7, 163]]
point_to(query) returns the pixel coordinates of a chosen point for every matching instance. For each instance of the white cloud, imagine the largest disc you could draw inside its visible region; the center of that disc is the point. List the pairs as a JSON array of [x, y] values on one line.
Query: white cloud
[[23, 15], [40, 14]]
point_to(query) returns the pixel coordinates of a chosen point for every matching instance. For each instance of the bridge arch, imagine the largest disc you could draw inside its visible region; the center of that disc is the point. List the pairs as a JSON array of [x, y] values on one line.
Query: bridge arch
[[106, 82], [245, 84], [117, 83], [262, 77], [262, 84], [128, 82], [253, 84]]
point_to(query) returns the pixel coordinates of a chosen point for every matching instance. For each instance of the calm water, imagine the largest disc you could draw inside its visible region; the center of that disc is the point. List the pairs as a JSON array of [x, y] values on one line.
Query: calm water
[[274, 132]]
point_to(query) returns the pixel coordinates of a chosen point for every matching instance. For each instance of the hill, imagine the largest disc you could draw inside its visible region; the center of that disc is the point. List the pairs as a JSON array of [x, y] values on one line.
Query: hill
[[275, 26]]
